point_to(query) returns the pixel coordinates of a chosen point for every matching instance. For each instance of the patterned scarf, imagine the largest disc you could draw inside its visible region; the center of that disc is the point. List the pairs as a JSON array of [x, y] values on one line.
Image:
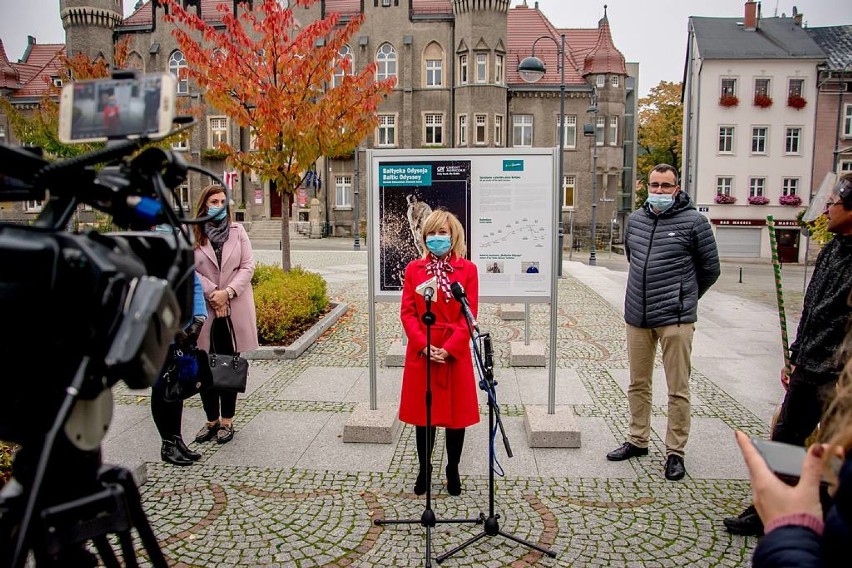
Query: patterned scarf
[[218, 232], [440, 268]]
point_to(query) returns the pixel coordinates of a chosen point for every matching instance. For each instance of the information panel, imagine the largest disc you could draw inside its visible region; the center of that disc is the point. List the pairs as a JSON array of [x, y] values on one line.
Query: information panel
[[504, 198]]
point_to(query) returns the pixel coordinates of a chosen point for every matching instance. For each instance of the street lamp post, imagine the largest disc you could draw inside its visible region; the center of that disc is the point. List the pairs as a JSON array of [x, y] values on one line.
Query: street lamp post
[[531, 70], [593, 110], [357, 231]]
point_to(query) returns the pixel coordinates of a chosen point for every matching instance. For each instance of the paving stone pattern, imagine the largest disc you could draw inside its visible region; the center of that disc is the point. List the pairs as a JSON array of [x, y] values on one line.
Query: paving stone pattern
[[228, 512]]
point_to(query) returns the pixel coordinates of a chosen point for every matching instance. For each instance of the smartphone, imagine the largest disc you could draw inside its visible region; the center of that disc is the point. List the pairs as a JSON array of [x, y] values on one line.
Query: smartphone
[[101, 109], [785, 460]]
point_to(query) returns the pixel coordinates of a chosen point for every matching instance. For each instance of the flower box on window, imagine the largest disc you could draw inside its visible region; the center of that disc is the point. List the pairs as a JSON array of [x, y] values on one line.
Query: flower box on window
[[796, 102], [791, 200], [757, 200], [213, 154], [729, 100], [762, 101], [723, 199]]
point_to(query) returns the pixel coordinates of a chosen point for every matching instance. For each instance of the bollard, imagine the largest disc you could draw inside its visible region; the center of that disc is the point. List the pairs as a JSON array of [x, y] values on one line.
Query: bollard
[[741, 275]]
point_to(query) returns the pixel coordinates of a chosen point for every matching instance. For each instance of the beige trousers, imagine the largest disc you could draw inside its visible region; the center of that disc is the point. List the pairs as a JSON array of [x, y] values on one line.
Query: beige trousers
[[676, 343]]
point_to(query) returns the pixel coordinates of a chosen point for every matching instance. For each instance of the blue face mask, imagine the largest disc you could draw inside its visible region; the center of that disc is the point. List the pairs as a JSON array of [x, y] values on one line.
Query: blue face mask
[[438, 244], [660, 201], [218, 213]]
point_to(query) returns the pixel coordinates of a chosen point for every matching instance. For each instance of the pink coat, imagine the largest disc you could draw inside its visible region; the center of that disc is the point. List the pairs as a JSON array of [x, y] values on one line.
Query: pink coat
[[236, 272]]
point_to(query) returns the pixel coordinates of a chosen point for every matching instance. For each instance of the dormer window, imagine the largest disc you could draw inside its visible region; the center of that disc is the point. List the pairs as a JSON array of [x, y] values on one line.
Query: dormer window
[[601, 81], [613, 82], [57, 81]]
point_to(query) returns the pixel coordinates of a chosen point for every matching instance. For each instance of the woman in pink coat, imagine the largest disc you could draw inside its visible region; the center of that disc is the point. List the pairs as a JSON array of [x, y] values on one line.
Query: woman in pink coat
[[454, 402], [225, 265]]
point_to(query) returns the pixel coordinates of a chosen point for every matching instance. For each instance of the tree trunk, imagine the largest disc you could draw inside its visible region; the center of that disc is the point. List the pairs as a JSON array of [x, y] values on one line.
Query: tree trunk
[[285, 231]]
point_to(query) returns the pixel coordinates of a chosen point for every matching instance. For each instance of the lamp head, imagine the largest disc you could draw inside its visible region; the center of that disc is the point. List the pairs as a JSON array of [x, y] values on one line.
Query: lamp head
[[531, 69]]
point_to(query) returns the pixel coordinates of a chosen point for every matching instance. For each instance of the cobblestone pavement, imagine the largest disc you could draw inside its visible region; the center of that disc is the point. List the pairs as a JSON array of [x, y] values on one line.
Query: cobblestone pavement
[[225, 512]]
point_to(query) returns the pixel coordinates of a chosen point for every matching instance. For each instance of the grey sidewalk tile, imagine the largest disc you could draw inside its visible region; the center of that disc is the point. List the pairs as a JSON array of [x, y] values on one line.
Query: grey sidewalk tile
[[587, 461], [534, 384], [712, 452], [327, 451], [331, 384], [388, 385]]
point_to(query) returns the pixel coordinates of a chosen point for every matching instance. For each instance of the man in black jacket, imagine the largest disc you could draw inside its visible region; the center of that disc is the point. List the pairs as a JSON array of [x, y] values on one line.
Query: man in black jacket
[[814, 355], [673, 262]]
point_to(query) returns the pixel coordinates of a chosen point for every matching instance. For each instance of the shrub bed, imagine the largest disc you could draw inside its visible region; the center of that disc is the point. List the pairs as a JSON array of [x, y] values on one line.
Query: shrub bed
[[287, 303]]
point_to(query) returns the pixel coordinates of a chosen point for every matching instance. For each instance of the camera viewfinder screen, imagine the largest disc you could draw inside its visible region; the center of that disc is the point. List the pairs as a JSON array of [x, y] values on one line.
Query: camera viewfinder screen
[[116, 108]]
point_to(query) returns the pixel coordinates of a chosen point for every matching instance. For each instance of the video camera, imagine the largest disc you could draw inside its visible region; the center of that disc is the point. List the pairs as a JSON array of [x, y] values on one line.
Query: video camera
[[84, 310]]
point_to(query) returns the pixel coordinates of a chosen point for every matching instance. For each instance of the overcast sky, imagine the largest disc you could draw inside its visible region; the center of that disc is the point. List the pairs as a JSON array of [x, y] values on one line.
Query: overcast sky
[[652, 32]]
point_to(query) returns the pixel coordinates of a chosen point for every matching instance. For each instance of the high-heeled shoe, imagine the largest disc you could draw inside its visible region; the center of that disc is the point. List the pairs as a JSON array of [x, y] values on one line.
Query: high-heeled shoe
[[170, 453], [422, 480], [193, 455], [453, 480]]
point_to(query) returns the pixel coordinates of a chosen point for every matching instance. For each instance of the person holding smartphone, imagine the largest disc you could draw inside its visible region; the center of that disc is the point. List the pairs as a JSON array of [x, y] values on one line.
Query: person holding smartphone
[[815, 364]]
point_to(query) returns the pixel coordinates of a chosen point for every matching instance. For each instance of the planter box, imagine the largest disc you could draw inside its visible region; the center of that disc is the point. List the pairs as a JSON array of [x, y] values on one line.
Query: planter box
[[307, 339]]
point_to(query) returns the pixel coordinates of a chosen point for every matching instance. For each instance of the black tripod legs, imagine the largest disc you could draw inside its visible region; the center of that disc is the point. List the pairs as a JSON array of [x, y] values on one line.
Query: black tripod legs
[[492, 528]]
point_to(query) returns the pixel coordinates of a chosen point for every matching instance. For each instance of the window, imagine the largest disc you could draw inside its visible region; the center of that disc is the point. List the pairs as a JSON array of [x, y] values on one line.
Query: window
[[218, 131], [792, 140], [600, 80], [182, 143], [56, 80], [481, 125], [498, 130], [522, 130], [386, 3], [847, 121], [761, 88], [790, 186], [613, 130], [386, 135], [729, 87], [2, 134], [600, 124], [569, 185], [462, 130], [434, 130], [726, 139], [570, 132], [177, 67], [755, 186], [340, 70], [33, 206], [845, 166], [498, 69], [252, 139], [613, 81], [758, 140], [342, 191], [433, 72], [182, 193], [463, 69], [481, 67], [386, 62], [723, 185], [795, 87]]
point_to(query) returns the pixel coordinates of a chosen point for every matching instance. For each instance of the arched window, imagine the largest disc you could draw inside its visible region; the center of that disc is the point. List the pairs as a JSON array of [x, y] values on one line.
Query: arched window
[[341, 71], [177, 67], [433, 65], [386, 61]]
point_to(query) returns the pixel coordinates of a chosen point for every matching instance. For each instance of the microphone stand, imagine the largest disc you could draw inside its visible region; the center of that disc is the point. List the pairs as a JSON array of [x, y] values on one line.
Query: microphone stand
[[488, 384], [428, 518]]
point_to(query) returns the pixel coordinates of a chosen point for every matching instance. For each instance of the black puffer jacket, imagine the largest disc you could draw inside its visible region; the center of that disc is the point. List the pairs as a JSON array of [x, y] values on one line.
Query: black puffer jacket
[[673, 262], [826, 313]]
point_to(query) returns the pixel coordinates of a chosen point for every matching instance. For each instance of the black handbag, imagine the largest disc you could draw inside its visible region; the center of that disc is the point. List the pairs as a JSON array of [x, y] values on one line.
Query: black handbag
[[187, 373], [229, 371]]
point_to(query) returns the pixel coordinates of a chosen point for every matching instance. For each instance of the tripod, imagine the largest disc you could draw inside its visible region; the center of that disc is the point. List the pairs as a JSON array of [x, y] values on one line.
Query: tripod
[[82, 503], [428, 519], [487, 383]]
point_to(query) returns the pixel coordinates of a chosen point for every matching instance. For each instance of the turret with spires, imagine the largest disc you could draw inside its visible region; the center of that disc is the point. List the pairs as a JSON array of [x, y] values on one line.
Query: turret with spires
[[89, 26]]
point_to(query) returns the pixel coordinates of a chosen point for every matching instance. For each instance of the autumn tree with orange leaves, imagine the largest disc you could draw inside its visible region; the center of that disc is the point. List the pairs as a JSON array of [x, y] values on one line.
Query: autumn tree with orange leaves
[[268, 74]]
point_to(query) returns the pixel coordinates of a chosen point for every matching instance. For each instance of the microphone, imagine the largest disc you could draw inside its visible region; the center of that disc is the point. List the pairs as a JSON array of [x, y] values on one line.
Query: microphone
[[459, 294], [427, 289]]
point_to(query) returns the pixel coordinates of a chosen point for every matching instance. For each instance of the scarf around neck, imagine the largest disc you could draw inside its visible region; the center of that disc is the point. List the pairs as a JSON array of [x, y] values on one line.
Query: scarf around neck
[[217, 232], [440, 268]]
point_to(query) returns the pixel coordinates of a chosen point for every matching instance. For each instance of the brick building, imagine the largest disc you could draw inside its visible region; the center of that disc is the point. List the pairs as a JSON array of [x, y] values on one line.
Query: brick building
[[457, 87]]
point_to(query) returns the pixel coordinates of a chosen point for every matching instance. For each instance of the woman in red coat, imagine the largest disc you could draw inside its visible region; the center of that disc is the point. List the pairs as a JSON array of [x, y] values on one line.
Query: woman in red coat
[[454, 402]]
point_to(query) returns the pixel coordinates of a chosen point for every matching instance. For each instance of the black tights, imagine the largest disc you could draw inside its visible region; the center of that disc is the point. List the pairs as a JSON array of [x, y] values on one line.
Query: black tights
[[167, 415], [455, 444]]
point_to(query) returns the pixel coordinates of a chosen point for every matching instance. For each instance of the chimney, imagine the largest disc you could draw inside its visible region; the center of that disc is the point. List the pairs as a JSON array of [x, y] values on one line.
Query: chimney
[[750, 23], [797, 17]]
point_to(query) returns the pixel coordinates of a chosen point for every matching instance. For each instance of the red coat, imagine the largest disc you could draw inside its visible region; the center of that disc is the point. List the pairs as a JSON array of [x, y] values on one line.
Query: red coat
[[454, 402]]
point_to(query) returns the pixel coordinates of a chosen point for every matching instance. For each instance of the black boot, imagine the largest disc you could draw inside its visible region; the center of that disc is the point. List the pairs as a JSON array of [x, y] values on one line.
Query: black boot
[[423, 480], [424, 457], [194, 456], [455, 444], [172, 454]]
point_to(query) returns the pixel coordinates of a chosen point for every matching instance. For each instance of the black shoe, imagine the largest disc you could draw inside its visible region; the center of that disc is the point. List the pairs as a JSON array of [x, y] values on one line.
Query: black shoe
[[207, 433], [626, 451], [170, 453], [747, 523], [422, 480], [453, 480], [194, 456], [674, 468], [225, 434]]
